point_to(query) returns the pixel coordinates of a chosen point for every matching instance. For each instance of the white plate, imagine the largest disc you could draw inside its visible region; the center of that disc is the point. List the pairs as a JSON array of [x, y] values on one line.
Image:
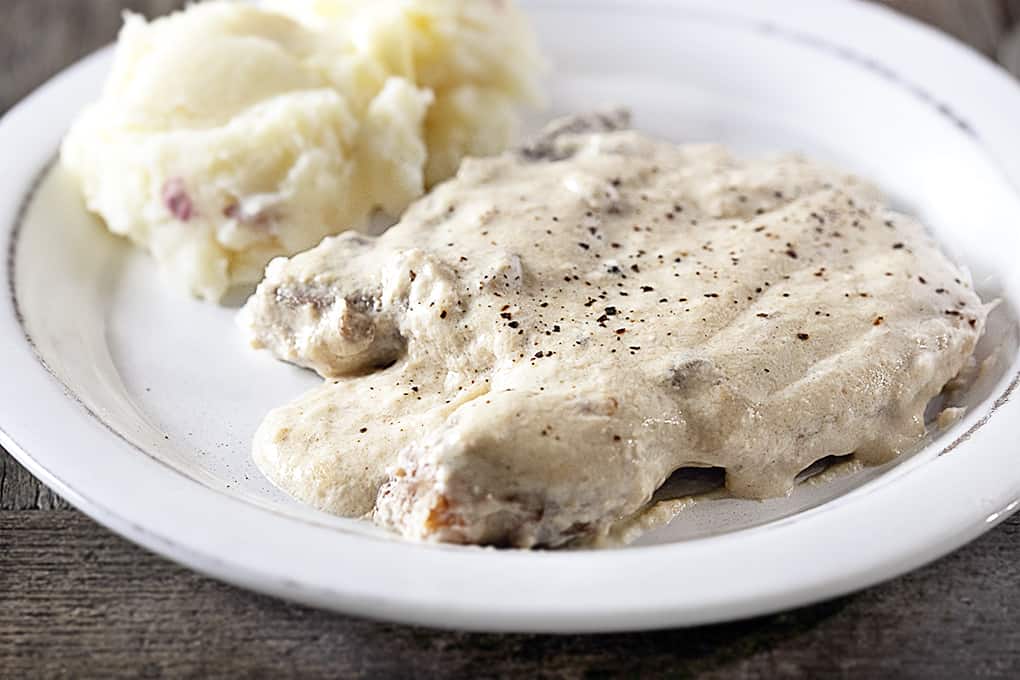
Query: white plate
[[137, 404]]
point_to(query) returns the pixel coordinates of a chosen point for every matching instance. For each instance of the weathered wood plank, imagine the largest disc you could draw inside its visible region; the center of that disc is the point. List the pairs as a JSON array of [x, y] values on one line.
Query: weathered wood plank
[[40, 37], [1011, 9], [75, 600], [19, 490], [979, 23]]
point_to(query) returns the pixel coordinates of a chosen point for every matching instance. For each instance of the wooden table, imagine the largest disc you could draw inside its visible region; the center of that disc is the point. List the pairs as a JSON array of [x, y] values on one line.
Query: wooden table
[[78, 601]]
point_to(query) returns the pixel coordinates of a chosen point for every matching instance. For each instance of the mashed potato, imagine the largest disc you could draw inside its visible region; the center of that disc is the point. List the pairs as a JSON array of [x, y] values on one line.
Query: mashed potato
[[477, 57], [228, 134]]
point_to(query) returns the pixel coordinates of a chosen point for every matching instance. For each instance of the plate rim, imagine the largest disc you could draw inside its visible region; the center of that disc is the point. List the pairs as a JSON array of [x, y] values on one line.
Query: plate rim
[[132, 514]]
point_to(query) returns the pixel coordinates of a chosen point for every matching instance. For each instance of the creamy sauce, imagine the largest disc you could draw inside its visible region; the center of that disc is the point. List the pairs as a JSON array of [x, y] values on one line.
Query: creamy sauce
[[539, 343]]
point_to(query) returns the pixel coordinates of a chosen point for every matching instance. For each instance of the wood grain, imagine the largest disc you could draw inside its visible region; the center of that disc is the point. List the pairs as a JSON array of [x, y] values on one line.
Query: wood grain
[[19, 490], [77, 601], [40, 37], [980, 24], [75, 597]]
